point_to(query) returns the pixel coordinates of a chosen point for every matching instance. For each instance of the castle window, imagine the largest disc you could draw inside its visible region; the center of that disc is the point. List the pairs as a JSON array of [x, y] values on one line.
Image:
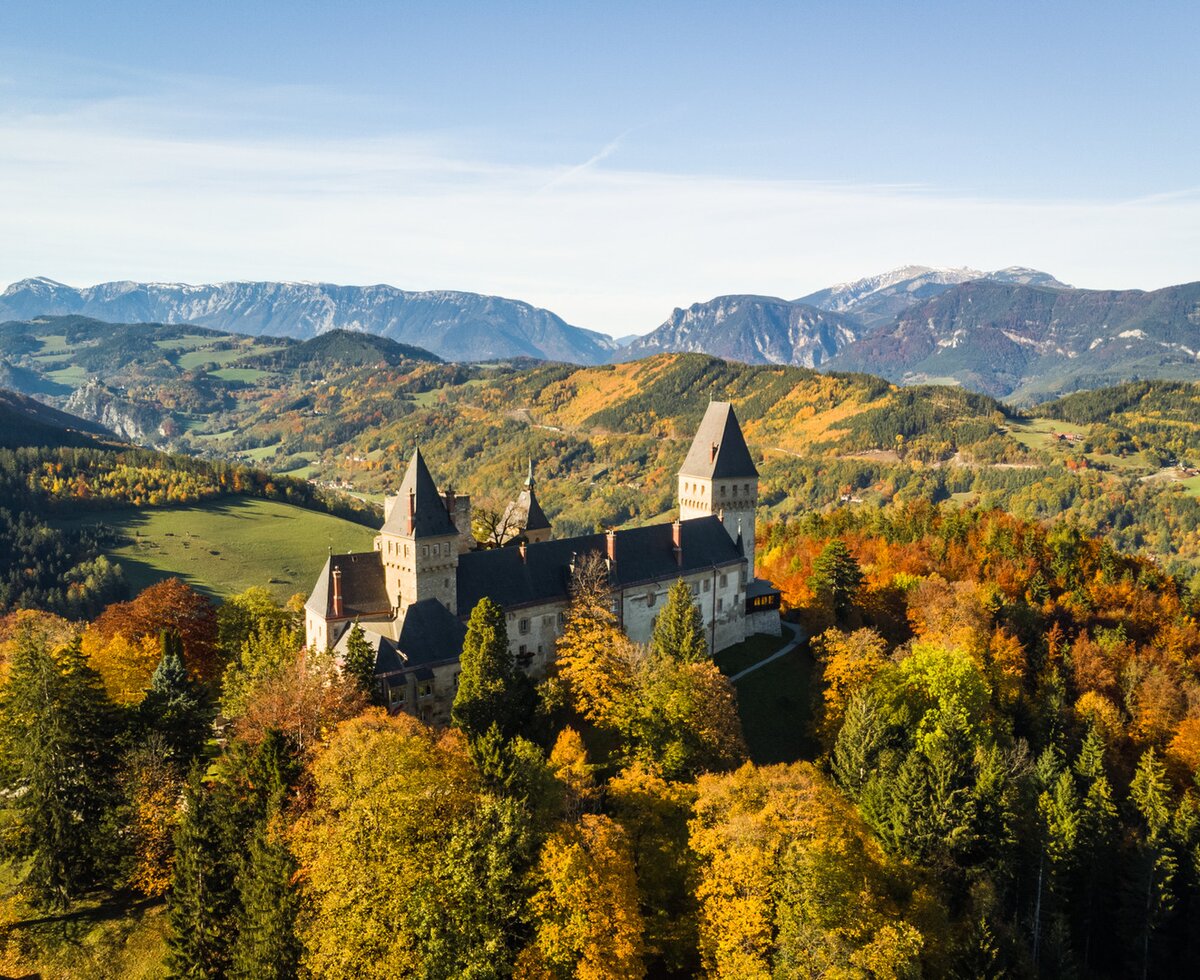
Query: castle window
[[720, 605], [523, 627], [724, 580], [735, 490], [706, 583], [425, 690], [695, 588], [524, 657], [650, 597], [722, 490], [445, 583], [424, 551], [562, 620], [746, 488]]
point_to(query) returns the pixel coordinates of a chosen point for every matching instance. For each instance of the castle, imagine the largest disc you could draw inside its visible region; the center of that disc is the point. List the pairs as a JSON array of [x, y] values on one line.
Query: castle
[[413, 594]]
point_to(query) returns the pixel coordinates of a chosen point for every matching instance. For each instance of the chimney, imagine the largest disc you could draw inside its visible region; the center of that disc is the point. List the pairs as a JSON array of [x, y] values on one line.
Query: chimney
[[611, 541], [521, 551], [448, 497], [412, 510], [337, 594], [677, 542], [574, 555], [712, 458]]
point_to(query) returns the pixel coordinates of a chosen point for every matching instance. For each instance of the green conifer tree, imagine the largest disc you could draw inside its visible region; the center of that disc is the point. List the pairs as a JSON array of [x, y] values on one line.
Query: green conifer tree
[[359, 661], [266, 947], [57, 767], [836, 577], [679, 628], [1151, 890], [203, 904], [488, 685], [175, 706]]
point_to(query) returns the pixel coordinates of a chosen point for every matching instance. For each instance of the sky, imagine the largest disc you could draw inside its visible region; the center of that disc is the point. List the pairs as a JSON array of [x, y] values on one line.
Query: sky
[[609, 161]]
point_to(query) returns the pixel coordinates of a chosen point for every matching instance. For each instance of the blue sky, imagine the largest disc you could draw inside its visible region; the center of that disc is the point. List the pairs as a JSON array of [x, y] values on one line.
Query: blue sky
[[607, 160]]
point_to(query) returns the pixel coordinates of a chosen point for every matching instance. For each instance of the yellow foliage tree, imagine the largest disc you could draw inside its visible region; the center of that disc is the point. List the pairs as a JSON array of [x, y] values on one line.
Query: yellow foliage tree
[[850, 661], [125, 665], [569, 762], [587, 921]]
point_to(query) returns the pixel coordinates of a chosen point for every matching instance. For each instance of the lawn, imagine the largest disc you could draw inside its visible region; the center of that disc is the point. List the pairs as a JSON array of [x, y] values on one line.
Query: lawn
[[95, 939], [775, 701], [244, 375], [229, 545]]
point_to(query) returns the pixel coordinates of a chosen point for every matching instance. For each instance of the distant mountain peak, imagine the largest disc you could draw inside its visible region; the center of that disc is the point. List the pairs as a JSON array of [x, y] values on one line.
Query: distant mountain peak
[[457, 326]]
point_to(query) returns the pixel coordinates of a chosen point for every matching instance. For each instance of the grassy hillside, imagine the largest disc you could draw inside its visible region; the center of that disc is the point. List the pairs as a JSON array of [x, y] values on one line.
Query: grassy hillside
[[228, 545]]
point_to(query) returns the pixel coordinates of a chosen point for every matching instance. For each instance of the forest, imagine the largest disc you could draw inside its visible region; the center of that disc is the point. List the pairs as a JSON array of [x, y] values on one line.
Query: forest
[[1005, 728]]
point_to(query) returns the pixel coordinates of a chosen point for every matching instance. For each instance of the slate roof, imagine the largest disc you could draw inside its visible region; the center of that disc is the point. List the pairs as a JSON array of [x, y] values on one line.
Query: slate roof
[[432, 518], [719, 450], [364, 589], [431, 634], [644, 554]]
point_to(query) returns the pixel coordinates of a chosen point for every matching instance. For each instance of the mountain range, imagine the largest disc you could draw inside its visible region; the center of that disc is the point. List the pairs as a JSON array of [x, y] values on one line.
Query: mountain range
[[454, 325], [1017, 333]]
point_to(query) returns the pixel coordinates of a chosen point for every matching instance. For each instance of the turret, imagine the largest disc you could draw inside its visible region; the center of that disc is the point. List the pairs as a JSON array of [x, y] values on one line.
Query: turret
[[719, 478], [419, 542]]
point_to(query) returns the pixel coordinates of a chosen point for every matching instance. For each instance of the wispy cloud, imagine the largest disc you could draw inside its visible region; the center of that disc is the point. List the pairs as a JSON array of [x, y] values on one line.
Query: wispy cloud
[[94, 192]]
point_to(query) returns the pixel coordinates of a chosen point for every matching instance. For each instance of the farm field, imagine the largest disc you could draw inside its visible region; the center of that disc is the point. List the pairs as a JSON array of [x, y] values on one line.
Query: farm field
[[227, 546]]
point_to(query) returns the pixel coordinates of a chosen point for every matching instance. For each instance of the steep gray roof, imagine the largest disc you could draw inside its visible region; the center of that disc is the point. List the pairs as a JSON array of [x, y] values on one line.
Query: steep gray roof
[[431, 634], [644, 554], [364, 589], [719, 450], [432, 519]]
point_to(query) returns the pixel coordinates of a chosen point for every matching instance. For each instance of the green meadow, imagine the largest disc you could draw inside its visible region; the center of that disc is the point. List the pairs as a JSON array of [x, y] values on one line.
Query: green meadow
[[228, 545]]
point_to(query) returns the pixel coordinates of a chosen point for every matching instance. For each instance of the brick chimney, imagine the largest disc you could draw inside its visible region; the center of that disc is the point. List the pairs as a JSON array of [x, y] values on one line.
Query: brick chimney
[[412, 511], [338, 610], [677, 542], [611, 541], [521, 546]]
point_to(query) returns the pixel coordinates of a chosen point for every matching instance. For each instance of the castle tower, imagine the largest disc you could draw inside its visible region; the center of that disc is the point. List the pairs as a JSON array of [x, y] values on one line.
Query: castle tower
[[419, 543], [525, 517], [719, 478]]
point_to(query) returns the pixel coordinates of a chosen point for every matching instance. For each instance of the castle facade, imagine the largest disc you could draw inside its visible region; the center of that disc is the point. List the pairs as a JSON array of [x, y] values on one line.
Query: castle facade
[[413, 594]]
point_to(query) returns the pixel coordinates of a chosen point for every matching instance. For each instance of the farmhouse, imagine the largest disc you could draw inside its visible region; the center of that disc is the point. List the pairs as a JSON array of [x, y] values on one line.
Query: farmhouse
[[413, 594]]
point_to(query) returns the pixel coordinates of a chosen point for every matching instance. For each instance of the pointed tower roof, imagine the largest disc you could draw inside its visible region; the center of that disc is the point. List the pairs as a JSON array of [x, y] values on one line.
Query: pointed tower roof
[[719, 449], [431, 520], [525, 511]]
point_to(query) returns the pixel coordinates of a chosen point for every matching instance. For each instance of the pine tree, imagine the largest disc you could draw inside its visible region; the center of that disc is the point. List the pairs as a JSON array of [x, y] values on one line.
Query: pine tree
[[1098, 825], [488, 679], [359, 661], [679, 627], [175, 706], [836, 577], [57, 766], [1152, 892], [202, 908], [266, 947]]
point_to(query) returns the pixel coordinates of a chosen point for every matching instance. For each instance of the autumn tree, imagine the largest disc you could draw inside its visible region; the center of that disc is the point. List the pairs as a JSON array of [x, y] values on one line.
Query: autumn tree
[[151, 786], [245, 613], [593, 658], [267, 652], [679, 627], [302, 699], [570, 765], [849, 661], [169, 605], [57, 768], [587, 923]]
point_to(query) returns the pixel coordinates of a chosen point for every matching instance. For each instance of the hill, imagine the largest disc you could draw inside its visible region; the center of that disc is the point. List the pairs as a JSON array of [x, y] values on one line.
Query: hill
[[753, 329], [454, 325], [26, 422], [224, 546], [341, 348], [1030, 342], [876, 301]]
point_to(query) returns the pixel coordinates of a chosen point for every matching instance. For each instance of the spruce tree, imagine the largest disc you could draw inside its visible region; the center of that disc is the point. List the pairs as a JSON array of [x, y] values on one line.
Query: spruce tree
[[359, 661], [1151, 887], [175, 706], [1098, 829], [836, 577], [679, 628], [488, 682], [203, 904], [57, 767], [266, 947]]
